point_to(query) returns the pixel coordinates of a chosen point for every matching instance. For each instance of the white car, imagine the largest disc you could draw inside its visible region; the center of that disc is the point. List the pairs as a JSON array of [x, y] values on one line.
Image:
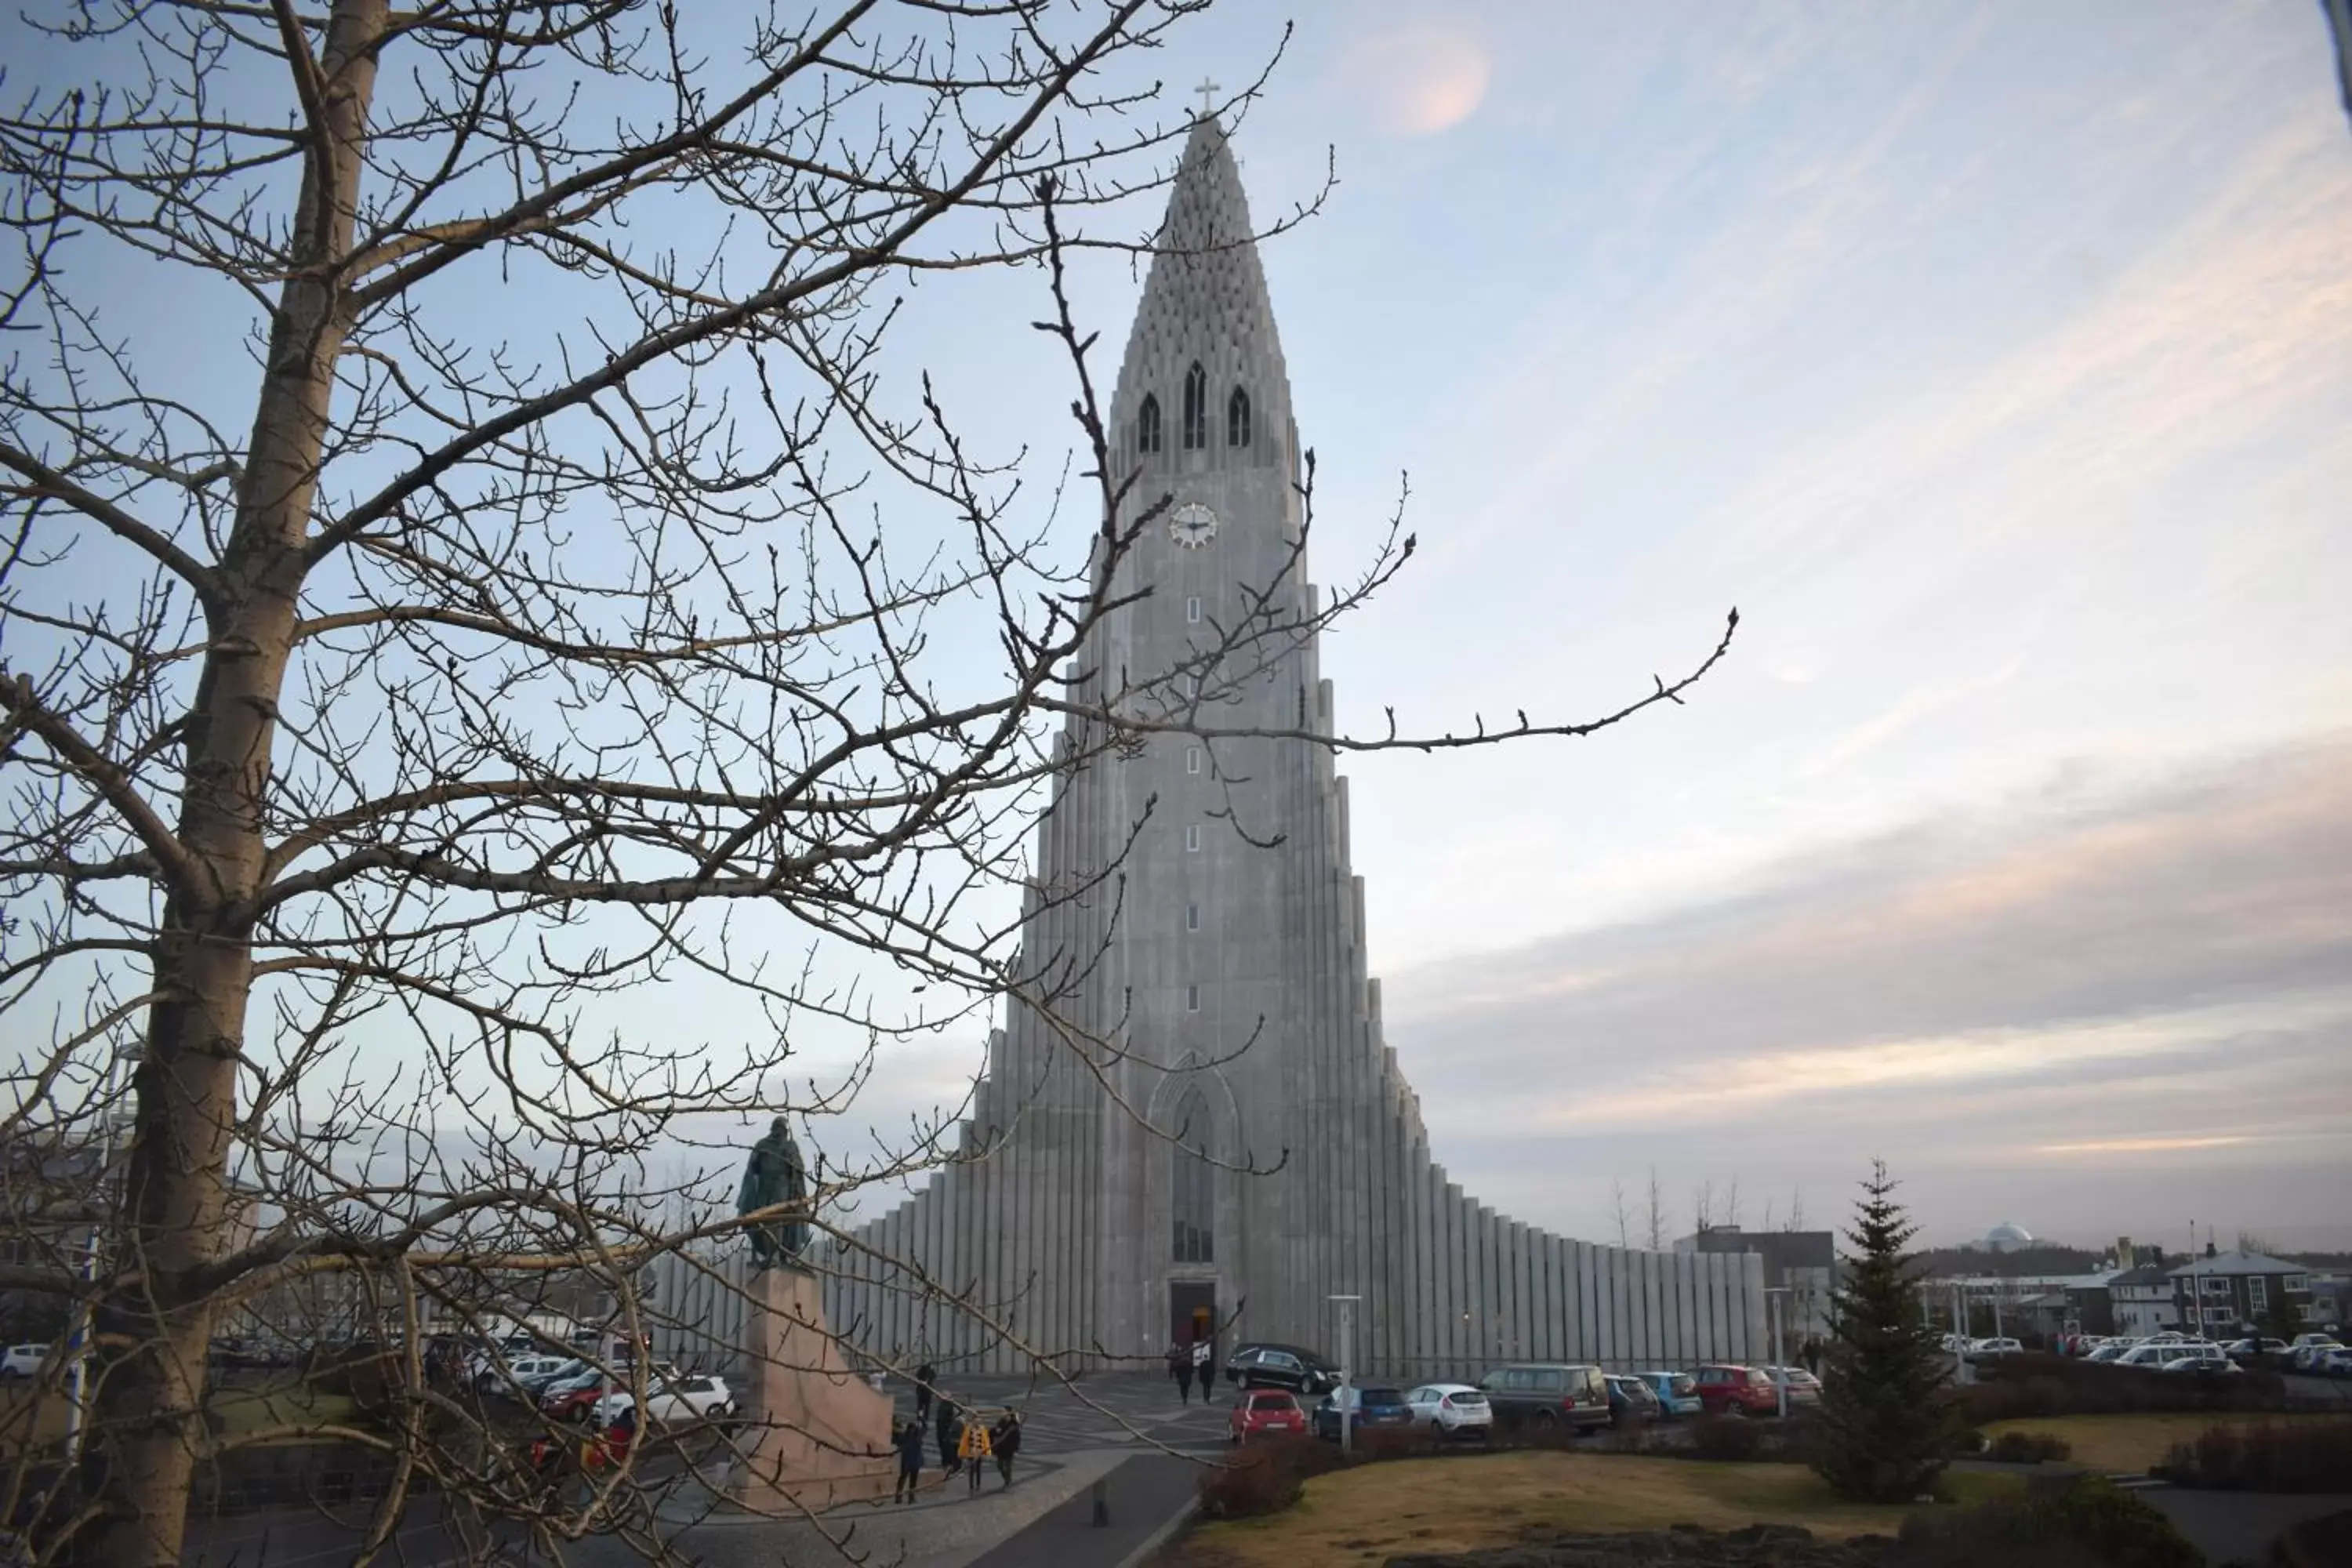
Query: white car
[[1451, 1410], [2307, 1355], [2151, 1356], [2004, 1346], [2200, 1365], [523, 1372], [22, 1360], [673, 1402]]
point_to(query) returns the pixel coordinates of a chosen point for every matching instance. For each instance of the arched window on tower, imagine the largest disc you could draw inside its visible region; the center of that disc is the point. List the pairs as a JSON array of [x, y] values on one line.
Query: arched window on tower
[[1147, 424], [1196, 407], [1237, 419], [1194, 1183]]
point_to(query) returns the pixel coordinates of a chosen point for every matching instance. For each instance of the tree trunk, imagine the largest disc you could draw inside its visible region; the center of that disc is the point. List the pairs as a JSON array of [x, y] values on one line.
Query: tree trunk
[[150, 1425]]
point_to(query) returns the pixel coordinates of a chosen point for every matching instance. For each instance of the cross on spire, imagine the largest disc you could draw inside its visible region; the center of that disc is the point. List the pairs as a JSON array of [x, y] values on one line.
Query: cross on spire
[[1208, 92]]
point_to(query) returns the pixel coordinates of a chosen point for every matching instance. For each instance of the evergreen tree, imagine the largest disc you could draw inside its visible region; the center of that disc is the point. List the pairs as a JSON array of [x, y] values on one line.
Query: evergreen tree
[[1885, 1431]]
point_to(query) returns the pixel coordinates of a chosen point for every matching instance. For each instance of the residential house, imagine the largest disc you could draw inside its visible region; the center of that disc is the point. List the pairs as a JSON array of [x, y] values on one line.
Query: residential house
[[2221, 1292], [2141, 1300]]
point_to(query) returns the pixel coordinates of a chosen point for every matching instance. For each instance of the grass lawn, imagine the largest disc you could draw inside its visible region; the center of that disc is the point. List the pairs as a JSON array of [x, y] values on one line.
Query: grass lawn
[[1367, 1514], [2130, 1443], [241, 1408]]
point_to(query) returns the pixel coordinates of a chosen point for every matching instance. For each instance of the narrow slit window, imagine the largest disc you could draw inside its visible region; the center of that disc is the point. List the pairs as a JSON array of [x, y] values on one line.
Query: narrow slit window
[[1238, 418], [1192, 610], [1147, 424], [1192, 917], [1192, 837], [1196, 407], [1191, 759], [1192, 998]]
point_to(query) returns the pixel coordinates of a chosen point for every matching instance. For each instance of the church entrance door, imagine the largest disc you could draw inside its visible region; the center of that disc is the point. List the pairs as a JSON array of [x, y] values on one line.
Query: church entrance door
[[1192, 1309]]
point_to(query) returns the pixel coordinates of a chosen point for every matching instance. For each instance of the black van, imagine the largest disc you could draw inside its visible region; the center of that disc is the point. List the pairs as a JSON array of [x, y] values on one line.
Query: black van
[[1548, 1394]]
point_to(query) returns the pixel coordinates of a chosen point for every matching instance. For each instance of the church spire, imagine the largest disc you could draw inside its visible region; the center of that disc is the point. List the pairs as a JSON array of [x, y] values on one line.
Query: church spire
[[1204, 303]]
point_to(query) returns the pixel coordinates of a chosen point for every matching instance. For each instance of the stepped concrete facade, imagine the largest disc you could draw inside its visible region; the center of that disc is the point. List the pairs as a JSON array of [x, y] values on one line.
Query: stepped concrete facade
[[1210, 1130]]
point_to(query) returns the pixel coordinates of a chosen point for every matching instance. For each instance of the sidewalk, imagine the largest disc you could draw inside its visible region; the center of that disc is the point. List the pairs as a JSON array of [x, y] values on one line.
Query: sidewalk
[[1147, 1496]]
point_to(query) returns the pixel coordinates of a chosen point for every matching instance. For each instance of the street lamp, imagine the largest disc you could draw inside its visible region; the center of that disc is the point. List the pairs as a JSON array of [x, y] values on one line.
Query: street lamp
[[1347, 1357], [1773, 1293]]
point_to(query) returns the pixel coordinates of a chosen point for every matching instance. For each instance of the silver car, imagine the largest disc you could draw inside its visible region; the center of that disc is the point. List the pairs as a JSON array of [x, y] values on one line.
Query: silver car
[[1451, 1410]]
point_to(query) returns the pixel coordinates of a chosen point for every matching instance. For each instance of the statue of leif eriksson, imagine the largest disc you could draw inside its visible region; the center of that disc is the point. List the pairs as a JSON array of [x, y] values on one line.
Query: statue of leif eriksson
[[775, 1175]]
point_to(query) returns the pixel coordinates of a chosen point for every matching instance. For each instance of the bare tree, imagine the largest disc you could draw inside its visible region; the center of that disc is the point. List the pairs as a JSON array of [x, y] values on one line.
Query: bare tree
[[1731, 1205], [1703, 1205], [570, 610], [1624, 1215], [1657, 1213]]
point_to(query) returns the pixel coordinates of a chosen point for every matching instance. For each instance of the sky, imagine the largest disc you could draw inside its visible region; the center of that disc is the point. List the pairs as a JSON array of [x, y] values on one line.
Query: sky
[[1996, 362]]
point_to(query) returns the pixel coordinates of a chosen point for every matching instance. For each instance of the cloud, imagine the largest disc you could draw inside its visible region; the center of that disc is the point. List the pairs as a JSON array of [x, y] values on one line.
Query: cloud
[[2079, 974], [1419, 78]]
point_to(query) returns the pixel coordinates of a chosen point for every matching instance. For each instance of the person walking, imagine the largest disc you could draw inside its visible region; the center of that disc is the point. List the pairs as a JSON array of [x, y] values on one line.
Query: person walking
[[923, 1375], [1812, 1355], [1007, 1437], [971, 1450], [1183, 1376], [950, 1430], [1204, 1368], [910, 1461]]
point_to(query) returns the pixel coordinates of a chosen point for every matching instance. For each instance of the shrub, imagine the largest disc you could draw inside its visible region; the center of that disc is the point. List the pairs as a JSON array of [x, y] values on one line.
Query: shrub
[[1726, 1437], [2025, 1385], [2028, 1447], [1265, 1477], [2306, 1456], [2080, 1522], [2321, 1542]]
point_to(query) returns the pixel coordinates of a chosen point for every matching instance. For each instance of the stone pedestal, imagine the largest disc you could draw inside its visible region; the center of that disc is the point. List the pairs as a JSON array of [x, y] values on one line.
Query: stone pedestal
[[822, 1434]]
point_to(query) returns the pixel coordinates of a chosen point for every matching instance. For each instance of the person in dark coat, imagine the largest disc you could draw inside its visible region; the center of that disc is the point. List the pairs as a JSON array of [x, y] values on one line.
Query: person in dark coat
[[923, 1375], [949, 1427], [1184, 1377], [910, 1442], [1007, 1437]]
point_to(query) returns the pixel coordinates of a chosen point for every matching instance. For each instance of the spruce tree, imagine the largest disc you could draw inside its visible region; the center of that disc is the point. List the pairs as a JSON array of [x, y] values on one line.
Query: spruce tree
[[1886, 1430]]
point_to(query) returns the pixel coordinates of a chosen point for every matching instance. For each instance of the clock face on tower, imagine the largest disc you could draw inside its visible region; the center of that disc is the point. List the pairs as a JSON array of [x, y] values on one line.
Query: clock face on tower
[[1192, 525]]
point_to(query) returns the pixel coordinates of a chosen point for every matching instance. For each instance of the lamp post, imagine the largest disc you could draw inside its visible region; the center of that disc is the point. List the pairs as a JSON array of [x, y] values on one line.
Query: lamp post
[[1773, 1293], [1347, 1360]]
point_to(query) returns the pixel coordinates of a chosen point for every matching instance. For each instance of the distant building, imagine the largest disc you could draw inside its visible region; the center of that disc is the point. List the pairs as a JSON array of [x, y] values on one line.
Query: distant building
[[2141, 1300], [1803, 1262], [2225, 1291], [2007, 1236]]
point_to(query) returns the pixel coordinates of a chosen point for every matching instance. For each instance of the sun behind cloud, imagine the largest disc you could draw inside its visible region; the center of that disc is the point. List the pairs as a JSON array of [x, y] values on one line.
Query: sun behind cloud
[[1419, 78]]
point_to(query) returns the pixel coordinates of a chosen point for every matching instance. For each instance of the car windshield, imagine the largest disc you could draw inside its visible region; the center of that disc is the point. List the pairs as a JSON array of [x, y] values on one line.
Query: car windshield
[[1270, 1402], [1382, 1396]]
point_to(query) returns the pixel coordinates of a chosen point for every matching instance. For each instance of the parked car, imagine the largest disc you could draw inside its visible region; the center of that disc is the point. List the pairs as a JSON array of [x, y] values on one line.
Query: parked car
[[2150, 1355], [1632, 1402], [2110, 1352], [2250, 1349], [1677, 1392], [1990, 1348], [673, 1402], [1263, 1410], [2309, 1351], [1548, 1394], [1281, 1366], [1380, 1405], [2337, 1362], [1730, 1390], [570, 1401], [522, 1372], [1451, 1410], [22, 1360], [1804, 1388], [2203, 1366]]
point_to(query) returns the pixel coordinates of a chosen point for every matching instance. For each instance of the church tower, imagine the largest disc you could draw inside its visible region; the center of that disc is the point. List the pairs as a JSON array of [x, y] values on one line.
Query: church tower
[[1221, 1137]]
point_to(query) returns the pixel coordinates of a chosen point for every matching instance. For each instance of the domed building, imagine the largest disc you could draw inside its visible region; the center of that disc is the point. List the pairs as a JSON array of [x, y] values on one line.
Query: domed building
[[2007, 1236]]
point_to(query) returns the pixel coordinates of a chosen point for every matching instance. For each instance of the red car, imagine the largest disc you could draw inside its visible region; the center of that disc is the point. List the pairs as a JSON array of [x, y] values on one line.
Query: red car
[[1263, 1410], [1735, 1391]]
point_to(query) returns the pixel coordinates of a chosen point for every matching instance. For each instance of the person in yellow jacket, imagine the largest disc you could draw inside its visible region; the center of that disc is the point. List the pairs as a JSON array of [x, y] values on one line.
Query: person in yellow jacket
[[973, 1448]]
